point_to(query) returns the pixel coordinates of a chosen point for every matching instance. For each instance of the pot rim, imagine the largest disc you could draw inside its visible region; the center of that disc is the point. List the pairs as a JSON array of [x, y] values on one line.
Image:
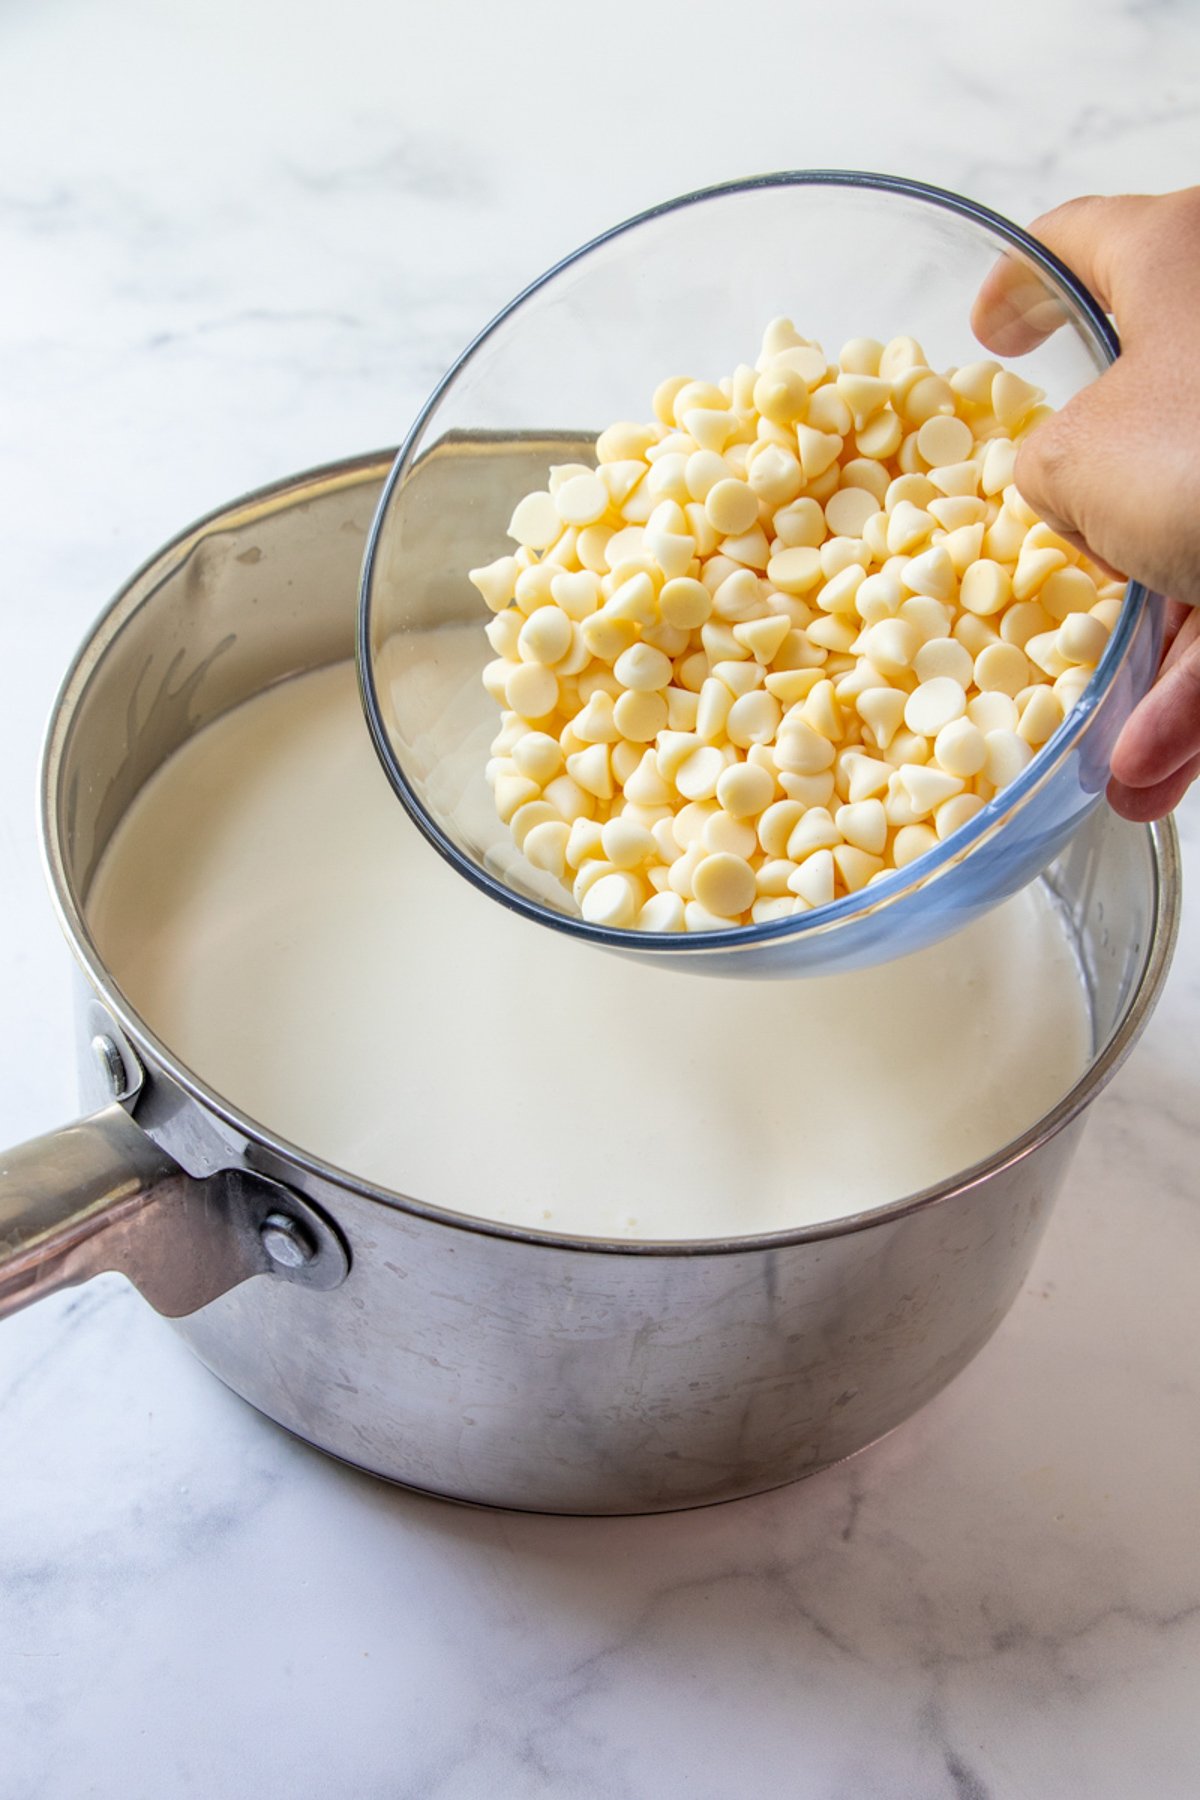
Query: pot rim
[[307, 485]]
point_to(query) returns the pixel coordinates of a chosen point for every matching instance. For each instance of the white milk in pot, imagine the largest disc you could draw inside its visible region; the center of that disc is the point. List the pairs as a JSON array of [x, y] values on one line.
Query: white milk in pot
[[272, 914]]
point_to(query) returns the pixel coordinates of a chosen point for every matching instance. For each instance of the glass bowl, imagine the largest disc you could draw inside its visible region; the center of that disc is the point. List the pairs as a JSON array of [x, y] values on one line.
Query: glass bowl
[[687, 288]]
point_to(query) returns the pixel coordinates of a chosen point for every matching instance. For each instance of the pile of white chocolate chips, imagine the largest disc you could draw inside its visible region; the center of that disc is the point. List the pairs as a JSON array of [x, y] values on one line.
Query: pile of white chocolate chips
[[782, 640]]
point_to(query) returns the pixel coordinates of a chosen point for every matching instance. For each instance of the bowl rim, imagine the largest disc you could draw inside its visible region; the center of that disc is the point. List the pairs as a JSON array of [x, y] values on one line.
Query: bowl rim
[[298, 491], [897, 884]]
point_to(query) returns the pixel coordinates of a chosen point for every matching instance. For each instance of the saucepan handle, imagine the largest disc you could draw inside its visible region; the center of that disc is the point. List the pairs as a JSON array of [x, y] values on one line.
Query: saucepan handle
[[100, 1194]]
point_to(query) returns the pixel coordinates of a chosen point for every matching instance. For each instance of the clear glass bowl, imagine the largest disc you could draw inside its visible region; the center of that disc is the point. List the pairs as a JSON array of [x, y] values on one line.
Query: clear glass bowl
[[687, 289]]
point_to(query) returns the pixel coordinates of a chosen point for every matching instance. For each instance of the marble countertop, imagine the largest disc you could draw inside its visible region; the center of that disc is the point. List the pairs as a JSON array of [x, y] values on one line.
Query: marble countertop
[[237, 241]]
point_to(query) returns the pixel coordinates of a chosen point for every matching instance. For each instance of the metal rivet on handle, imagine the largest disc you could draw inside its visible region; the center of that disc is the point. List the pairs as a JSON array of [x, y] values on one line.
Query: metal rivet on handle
[[287, 1242], [111, 1064]]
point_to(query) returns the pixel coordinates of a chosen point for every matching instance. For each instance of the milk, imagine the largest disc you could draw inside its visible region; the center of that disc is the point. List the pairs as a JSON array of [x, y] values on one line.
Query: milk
[[269, 910]]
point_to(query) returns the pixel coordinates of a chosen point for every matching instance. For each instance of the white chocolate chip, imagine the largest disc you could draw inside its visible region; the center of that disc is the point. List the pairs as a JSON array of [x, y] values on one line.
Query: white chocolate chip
[[1001, 668], [795, 570], [861, 356], [848, 510], [697, 775], [753, 719], [881, 436], [927, 787], [818, 450], [899, 355], [626, 846], [993, 711], [1034, 565], [974, 382], [781, 395], [1012, 398], [864, 824], [545, 637], [931, 574], [527, 817], [640, 717], [643, 668], [1043, 650], [591, 769], [1023, 620], [882, 708], [986, 588], [921, 394], [535, 521], [913, 841], [545, 847], [723, 832], [801, 749], [1067, 591], [814, 879], [944, 656], [504, 631], [511, 792], [496, 581], [538, 756], [531, 690], [731, 506], [614, 899], [960, 748], [724, 884], [997, 468], [955, 813], [775, 475], [891, 645], [577, 593], [934, 704], [856, 867], [595, 722], [581, 500], [569, 800], [1007, 754], [624, 441], [662, 912], [1082, 639], [864, 395], [1041, 716], [745, 790], [698, 918], [943, 440]]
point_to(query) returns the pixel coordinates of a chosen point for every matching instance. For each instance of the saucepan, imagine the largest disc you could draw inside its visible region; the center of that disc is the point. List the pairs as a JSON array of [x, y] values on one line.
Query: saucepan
[[474, 1360]]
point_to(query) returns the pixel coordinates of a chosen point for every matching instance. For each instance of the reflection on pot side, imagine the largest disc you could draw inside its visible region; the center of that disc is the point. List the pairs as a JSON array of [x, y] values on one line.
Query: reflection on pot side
[[276, 919]]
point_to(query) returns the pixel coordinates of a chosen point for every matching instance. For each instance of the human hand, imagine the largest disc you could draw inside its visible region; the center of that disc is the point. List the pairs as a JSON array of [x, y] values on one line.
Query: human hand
[[1117, 470]]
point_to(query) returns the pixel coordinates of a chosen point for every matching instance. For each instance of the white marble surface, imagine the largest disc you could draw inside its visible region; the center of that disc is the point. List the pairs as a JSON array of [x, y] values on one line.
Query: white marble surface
[[237, 240]]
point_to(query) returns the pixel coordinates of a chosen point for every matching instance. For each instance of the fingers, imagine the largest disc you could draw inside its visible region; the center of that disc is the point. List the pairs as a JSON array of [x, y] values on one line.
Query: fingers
[[1161, 738], [1016, 311], [1144, 804], [1087, 235]]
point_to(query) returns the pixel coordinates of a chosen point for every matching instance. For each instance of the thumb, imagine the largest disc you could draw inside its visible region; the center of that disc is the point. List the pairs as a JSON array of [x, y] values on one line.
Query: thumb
[[1090, 472]]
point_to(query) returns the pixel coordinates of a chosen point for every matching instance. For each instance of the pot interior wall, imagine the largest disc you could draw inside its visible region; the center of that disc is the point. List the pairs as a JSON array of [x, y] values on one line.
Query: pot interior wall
[[255, 594]]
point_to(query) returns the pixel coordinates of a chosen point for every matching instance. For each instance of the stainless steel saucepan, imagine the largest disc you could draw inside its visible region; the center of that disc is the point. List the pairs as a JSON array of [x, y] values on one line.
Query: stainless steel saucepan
[[475, 1360]]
